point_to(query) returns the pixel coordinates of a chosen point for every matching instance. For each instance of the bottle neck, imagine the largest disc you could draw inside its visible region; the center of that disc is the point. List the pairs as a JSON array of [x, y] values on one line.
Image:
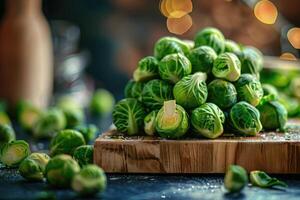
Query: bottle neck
[[23, 7]]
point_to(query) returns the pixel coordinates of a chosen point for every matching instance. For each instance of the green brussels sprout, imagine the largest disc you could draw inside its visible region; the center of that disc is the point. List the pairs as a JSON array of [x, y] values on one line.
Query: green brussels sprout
[[249, 89], [90, 180], [278, 77], [202, 59], [263, 180], [28, 116], [245, 119], [191, 91], [14, 152], [273, 115], [84, 155], [49, 123], [74, 117], [149, 122], [270, 90], [291, 104], [68, 102], [171, 120], [222, 93], [257, 53], [250, 63], [236, 178], [4, 119], [7, 134], [102, 102], [65, 142], [61, 170], [155, 93], [166, 46], [88, 131], [295, 87], [207, 120], [174, 67], [227, 66], [134, 89], [147, 69], [232, 47], [128, 116], [33, 167], [211, 37]]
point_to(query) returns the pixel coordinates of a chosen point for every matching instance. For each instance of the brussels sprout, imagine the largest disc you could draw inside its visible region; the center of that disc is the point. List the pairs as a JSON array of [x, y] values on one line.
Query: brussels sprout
[[65, 142], [84, 154], [263, 180], [149, 122], [245, 119], [166, 46], [249, 89], [28, 116], [68, 102], [171, 120], [88, 131], [134, 90], [291, 104], [155, 93], [202, 59], [90, 180], [207, 120], [270, 90], [14, 152], [257, 53], [174, 67], [227, 66], [295, 87], [33, 167], [273, 115], [191, 91], [4, 119], [7, 134], [222, 93], [147, 69], [49, 122], [232, 47], [250, 63], [211, 37], [60, 170], [102, 102], [74, 117], [128, 116], [236, 178]]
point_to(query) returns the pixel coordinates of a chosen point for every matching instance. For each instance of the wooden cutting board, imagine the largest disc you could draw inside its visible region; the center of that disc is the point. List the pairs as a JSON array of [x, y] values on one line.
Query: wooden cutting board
[[270, 152]]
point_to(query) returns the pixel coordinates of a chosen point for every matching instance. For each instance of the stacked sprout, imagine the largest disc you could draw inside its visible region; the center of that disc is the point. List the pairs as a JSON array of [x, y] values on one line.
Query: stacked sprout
[[208, 86]]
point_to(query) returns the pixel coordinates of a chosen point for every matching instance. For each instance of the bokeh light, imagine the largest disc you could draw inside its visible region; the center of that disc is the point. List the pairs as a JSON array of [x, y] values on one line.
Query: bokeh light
[[288, 56], [179, 25], [294, 37], [175, 8], [266, 12]]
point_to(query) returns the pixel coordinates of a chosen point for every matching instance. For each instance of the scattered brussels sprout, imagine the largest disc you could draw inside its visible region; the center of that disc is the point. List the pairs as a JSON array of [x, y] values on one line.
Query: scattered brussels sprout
[[295, 87], [68, 102], [14, 152], [174, 67], [90, 180], [102, 102], [155, 93], [291, 104], [236, 178], [191, 91], [149, 122], [250, 63], [128, 116], [33, 167], [147, 69], [207, 120], [28, 116], [166, 46], [84, 154], [232, 47], [202, 59], [7, 134], [65, 142], [61, 170], [270, 90], [277, 77], [227, 66], [245, 119], [222, 93], [134, 90], [4, 119], [249, 89], [89, 132], [263, 180], [171, 120], [211, 37], [74, 117]]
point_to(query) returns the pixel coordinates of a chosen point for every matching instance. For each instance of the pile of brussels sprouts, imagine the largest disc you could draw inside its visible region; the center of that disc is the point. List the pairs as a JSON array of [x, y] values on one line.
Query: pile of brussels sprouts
[[208, 86]]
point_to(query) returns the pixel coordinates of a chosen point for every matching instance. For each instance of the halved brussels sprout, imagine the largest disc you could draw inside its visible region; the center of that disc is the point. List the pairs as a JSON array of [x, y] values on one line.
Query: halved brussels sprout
[[174, 67], [269, 89], [90, 180], [134, 89], [89, 132], [211, 37], [227, 66], [128, 116], [4, 119], [102, 102], [295, 87], [171, 120], [249, 89], [263, 180], [250, 62], [33, 167], [207, 120], [202, 59], [65, 142], [61, 170], [155, 93], [236, 178], [191, 91], [14, 152], [222, 93], [84, 155], [149, 122], [29, 116], [166, 46], [232, 47], [147, 69], [7, 134], [245, 119]]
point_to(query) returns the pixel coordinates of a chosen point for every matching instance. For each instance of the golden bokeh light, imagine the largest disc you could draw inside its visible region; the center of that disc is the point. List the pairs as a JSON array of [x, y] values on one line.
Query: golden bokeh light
[[179, 25], [266, 12], [294, 37], [175, 8], [288, 56]]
